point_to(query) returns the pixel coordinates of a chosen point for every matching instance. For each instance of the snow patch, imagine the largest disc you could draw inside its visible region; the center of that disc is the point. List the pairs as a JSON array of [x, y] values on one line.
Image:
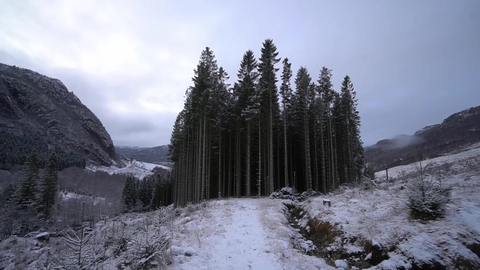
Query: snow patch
[[341, 264], [138, 169]]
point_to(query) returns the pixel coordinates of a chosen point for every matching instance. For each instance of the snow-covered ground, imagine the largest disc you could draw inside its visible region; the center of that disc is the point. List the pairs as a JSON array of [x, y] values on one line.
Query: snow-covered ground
[[138, 169], [254, 233], [238, 234], [469, 153], [67, 195], [380, 215]]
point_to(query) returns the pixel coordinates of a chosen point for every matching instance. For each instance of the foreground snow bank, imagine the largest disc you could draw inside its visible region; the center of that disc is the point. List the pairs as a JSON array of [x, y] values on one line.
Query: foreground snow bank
[[378, 219]]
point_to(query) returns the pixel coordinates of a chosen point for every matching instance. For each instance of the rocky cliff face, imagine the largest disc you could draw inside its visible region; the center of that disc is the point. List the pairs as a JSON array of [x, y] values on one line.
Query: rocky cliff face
[[456, 131], [35, 106]]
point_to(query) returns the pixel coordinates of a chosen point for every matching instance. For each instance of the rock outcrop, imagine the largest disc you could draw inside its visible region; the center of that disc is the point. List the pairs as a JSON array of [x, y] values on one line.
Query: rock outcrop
[[36, 106]]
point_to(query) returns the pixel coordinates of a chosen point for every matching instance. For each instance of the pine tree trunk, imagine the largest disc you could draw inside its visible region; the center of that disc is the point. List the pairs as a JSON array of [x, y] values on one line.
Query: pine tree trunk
[[204, 157], [238, 188], [285, 145], [208, 170], [259, 182], [308, 171], [220, 164], [230, 161], [270, 148], [198, 176], [322, 142], [248, 162], [332, 162], [315, 158]]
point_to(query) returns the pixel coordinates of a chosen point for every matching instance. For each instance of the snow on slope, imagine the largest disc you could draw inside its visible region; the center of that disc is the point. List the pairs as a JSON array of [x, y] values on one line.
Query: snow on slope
[[67, 195], [238, 234], [470, 152], [138, 169], [379, 214]]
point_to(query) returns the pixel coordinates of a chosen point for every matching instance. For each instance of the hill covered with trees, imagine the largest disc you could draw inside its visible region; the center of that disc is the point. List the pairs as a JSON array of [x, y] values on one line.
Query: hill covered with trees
[[457, 131], [156, 154]]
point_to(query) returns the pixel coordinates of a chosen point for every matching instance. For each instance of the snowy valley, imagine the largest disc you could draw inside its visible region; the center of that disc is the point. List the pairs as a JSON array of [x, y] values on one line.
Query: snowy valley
[[251, 136], [367, 226], [133, 167]]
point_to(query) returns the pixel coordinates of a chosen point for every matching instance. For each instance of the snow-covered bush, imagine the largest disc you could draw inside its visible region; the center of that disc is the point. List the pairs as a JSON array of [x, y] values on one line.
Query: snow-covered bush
[[284, 193], [192, 207], [288, 193], [427, 198]]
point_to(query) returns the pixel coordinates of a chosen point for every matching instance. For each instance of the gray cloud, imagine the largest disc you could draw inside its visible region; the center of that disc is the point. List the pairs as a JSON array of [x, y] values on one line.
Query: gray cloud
[[413, 63]]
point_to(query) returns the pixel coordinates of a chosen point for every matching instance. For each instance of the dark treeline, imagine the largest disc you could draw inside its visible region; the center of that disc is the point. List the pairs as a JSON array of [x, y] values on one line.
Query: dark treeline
[[151, 193], [15, 150], [30, 204], [241, 140]]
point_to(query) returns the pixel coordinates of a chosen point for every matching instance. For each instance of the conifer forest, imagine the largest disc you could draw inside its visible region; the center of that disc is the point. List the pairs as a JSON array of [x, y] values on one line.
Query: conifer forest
[[264, 132]]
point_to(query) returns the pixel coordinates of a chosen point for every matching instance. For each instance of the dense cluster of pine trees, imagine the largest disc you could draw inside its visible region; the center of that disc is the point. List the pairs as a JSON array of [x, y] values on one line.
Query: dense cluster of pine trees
[[32, 202], [17, 148], [239, 141], [152, 192]]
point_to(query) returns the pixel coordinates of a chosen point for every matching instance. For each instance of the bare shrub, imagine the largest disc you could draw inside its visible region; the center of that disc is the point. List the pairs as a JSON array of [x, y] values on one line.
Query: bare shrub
[[322, 233]]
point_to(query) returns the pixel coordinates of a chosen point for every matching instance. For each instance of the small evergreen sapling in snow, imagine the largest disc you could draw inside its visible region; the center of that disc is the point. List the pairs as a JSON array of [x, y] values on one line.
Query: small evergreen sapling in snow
[[427, 198], [369, 172]]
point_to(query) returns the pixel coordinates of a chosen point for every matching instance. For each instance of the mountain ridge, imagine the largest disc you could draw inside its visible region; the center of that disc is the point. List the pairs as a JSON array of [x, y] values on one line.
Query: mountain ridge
[[156, 154], [454, 132], [40, 109]]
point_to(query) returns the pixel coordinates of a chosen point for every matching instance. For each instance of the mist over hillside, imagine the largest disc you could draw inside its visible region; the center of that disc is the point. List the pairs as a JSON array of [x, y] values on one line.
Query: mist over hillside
[[455, 132]]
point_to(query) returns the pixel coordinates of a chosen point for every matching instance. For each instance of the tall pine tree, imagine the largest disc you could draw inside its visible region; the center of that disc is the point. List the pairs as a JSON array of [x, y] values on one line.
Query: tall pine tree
[[129, 194], [286, 93], [269, 106], [27, 193], [49, 186]]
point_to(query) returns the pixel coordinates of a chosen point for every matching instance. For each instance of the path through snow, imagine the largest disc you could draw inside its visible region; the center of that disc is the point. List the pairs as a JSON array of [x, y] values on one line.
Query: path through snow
[[237, 234]]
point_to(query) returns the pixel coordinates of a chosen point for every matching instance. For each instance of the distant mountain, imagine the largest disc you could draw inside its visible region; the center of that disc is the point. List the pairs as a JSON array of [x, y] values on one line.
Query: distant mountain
[[38, 113], [155, 154], [456, 131]]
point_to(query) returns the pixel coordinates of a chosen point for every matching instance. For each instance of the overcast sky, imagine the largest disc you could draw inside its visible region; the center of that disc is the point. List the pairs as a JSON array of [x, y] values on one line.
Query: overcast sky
[[413, 63]]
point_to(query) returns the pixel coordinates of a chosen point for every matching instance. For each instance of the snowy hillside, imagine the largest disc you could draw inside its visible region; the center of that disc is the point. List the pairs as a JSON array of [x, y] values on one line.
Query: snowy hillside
[[138, 169], [456, 160], [375, 218]]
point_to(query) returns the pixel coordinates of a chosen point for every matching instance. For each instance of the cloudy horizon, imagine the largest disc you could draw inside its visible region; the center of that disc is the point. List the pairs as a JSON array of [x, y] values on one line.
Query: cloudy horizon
[[413, 63]]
